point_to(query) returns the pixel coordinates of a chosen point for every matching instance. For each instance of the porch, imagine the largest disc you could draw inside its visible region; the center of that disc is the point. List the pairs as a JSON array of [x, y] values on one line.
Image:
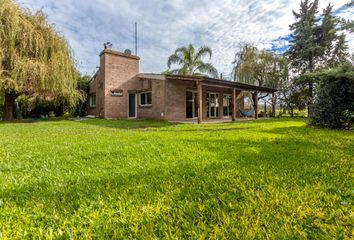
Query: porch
[[215, 100]]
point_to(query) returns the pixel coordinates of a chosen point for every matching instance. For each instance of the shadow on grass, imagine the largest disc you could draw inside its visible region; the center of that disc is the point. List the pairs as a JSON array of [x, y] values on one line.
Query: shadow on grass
[[127, 124]]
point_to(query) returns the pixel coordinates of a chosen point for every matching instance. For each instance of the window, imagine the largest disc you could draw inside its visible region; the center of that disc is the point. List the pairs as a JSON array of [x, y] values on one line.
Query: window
[[93, 100], [191, 104], [145, 99]]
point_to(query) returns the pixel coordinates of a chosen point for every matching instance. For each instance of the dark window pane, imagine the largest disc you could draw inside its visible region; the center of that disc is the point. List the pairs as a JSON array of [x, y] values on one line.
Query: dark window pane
[[148, 96], [142, 99]]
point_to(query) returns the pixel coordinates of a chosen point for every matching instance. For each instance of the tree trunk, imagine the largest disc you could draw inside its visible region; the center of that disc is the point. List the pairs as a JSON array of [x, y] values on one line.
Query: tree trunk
[[265, 108], [9, 106], [309, 102], [310, 99]]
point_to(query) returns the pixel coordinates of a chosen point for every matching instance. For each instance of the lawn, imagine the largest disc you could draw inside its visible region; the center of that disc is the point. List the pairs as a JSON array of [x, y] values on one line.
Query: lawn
[[276, 179]]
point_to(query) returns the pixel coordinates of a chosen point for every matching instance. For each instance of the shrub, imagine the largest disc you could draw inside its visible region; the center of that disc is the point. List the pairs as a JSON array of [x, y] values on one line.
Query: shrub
[[334, 105]]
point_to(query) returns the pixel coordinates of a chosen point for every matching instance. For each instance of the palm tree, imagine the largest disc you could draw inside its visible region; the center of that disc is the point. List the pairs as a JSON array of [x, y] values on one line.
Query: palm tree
[[191, 61]]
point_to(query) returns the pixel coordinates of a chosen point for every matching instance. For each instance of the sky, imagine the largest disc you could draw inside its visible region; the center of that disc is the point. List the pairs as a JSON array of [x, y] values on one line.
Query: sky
[[164, 26]]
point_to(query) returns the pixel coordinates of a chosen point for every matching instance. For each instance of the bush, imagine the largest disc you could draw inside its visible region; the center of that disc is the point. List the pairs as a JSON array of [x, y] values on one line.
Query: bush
[[334, 105]]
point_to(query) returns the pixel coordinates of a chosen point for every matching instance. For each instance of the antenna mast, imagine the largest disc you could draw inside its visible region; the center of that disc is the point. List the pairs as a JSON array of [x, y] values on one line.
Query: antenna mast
[[136, 38]]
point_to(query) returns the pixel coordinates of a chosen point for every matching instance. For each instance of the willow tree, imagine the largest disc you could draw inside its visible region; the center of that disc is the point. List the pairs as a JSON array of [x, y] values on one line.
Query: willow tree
[[34, 58], [259, 67]]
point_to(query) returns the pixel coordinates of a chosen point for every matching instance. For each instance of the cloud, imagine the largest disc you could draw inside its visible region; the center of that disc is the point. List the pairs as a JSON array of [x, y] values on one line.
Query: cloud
[[166, 25]]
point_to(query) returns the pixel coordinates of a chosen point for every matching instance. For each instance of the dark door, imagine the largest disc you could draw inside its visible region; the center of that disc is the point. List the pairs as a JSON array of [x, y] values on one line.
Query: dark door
[[132, 105]]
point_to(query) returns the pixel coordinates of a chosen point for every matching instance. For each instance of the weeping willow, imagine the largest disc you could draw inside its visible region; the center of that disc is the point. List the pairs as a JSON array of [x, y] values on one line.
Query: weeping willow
[[259, 67], [34, 58]]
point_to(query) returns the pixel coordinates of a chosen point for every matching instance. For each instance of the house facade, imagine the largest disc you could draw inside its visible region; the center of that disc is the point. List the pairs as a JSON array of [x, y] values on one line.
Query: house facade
[[119, 91]]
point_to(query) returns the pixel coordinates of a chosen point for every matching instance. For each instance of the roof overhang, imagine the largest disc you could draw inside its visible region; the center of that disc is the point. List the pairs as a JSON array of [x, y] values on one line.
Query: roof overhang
[[208, 81]]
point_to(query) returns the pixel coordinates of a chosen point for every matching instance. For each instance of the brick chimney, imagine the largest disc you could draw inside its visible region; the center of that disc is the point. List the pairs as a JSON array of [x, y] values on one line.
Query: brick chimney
[[119, 71]]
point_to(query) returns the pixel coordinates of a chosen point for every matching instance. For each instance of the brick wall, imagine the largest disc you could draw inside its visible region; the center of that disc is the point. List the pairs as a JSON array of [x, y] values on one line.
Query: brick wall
[[157, 108], [120, 72]]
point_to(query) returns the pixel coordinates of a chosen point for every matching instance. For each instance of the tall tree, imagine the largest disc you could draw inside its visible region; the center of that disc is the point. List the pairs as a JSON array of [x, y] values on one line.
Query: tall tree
[[348, 24], [305, 50], [34, 58], [191, 61], [315, 44], [259, 67], [334, 46]]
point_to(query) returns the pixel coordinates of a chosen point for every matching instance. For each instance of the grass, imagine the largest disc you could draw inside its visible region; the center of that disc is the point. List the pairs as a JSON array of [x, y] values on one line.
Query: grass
[[276, 179]]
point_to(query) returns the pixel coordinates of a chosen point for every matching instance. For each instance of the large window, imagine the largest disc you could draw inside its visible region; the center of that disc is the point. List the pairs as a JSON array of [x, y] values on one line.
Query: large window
[[93, 100], [227, 105], [212, 105], [191, 104], [145, 99]]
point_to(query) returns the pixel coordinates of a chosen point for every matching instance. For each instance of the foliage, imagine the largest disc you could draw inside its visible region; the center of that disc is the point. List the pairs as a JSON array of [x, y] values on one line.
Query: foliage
[[347, 24], [1, 104], [314, 44], [270, 179], [35, 106], [305, 49], [190, 61], [83, 87], [34, 58], [334, 104], [291, 97], [38, 106], [260, 67]]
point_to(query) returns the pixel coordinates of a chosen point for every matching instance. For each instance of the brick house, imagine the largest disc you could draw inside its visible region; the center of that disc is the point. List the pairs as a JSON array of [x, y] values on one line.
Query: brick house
[[119, 91]]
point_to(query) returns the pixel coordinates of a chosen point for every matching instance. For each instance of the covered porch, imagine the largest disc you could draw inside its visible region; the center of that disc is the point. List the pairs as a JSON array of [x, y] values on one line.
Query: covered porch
[[217, 100]]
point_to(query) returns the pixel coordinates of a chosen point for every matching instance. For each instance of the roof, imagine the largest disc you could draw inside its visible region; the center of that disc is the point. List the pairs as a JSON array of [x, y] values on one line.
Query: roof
[[109, 51], [207, 81]]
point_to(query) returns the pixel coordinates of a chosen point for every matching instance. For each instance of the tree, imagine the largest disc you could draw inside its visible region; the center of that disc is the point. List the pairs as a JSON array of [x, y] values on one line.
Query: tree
[[34, 58], [315, 44], [334, 105], [259, 67], [347, 24], [305, 50], [84, 87], [191, 61]]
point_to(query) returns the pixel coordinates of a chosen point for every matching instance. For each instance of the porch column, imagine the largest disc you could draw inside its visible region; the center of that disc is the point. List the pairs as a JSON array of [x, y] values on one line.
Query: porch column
[[238, 103], [255, 96], [233, 104], [200, 102], [274, 102]]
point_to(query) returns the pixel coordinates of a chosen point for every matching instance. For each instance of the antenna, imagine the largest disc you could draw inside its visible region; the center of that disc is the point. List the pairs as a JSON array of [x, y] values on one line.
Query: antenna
[[136, 38]]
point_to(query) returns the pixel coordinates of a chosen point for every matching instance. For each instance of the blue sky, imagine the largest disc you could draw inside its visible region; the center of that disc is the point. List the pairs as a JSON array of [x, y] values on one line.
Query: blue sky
[[165, 25]]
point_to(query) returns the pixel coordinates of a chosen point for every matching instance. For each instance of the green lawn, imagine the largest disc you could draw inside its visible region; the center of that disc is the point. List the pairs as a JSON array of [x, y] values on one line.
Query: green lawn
[[275, 179]]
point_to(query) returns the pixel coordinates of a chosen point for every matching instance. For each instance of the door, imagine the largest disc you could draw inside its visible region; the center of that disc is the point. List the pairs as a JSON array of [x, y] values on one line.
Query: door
[[132, 105], [213, 105], [191, 104]]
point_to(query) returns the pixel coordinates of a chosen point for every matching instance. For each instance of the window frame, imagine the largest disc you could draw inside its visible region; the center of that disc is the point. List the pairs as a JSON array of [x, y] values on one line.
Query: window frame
[[146, 104], [91, 100]]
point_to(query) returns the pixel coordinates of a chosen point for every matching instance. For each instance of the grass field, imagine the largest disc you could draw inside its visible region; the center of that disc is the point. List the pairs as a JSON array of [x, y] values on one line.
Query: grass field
[[274, 179]]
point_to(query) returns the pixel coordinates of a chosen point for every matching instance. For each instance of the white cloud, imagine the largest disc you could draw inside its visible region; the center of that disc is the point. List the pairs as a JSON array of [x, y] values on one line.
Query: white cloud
[[166, 25]]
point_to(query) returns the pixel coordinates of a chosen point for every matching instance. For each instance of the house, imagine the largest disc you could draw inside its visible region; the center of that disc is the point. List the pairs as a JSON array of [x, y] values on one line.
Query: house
[[119, 91]]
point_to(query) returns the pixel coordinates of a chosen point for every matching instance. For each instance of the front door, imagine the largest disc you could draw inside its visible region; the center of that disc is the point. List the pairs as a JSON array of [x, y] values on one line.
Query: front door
[[132, 105], [213, 105]]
